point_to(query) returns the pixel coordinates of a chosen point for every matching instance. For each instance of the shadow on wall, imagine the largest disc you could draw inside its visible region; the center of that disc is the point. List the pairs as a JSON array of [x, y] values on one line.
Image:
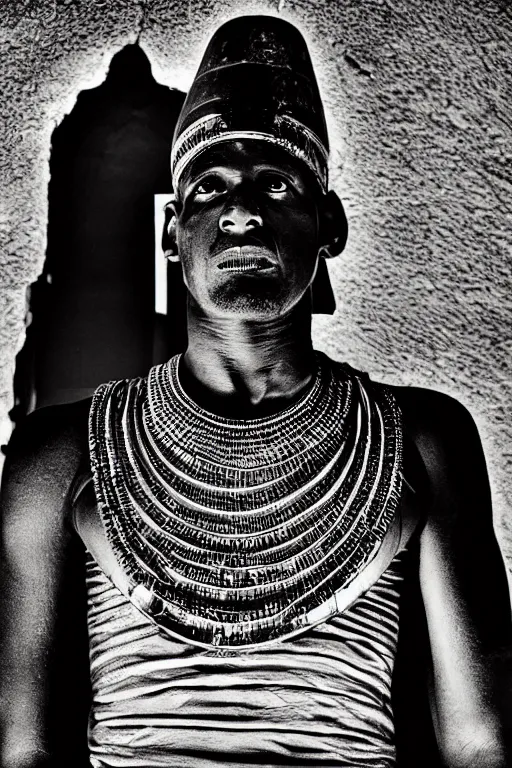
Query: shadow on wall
[[92, 309]]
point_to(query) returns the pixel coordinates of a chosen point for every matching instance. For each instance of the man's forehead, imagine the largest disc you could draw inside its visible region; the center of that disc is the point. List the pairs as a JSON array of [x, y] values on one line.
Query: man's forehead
[[244, 153]]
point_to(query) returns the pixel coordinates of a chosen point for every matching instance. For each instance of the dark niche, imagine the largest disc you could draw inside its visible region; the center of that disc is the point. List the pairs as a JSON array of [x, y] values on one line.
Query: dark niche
[[92, 309]]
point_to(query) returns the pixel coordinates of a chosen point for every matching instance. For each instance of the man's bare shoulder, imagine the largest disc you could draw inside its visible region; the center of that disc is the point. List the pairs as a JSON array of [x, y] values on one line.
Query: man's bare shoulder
[[45, 453], [435, 419], [433, 416], [56, 429], [445, 434]]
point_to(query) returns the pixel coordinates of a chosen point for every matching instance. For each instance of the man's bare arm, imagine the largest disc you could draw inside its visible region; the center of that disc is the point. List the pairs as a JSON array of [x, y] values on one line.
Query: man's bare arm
[[43, 593], [463, 583]]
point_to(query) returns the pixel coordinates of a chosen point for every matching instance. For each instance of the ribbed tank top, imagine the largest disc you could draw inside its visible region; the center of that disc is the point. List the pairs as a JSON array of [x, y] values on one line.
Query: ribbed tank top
[[320, 699], [306, 679]]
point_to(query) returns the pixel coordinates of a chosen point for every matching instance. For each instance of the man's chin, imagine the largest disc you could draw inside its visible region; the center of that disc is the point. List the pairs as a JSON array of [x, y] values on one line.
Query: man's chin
[[249, 301]]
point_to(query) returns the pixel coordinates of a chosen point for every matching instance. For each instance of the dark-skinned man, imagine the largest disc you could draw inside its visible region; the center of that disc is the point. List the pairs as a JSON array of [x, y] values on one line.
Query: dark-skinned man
[[250, 507]]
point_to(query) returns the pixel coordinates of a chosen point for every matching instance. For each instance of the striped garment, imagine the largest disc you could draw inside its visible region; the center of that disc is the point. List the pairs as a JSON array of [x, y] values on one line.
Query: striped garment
[[320, 699]]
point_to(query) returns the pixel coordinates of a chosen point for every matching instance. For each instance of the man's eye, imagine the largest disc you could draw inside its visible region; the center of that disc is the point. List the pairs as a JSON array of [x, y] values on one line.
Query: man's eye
[[209, 186], [275, 184]]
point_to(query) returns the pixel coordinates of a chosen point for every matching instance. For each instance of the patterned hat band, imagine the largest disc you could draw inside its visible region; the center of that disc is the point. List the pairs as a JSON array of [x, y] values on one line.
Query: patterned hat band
[[284, 131]]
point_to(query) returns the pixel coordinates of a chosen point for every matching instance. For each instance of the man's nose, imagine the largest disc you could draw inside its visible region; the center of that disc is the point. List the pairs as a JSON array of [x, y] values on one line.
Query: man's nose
[[239, 217]]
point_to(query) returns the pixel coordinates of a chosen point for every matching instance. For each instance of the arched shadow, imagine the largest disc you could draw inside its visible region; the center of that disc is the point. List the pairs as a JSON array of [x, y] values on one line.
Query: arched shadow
[[93, 307]]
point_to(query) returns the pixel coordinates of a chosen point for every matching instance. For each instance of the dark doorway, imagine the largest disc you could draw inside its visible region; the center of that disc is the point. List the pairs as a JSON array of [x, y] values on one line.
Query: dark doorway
[[93, 307]]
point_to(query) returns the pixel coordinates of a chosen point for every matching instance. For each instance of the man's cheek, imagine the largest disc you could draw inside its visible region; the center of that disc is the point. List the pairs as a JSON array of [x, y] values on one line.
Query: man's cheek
[[185, 261]]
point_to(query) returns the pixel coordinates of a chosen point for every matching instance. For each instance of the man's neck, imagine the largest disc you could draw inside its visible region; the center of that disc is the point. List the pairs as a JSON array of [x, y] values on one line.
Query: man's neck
[[247, 369]]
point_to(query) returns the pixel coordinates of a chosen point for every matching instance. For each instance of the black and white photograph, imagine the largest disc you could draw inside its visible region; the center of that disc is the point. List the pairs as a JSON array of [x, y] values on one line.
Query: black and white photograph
[[256, 384]]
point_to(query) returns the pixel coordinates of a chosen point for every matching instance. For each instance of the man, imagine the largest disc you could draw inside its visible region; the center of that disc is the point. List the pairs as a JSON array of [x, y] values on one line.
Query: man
[[250, 508]]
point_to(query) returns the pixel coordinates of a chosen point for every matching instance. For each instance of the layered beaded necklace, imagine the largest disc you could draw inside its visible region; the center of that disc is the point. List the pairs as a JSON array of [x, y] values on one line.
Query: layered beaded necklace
[[232, 532]]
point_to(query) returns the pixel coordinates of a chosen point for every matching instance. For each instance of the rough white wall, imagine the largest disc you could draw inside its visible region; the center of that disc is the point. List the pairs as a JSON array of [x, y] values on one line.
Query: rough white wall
[[420, 111]]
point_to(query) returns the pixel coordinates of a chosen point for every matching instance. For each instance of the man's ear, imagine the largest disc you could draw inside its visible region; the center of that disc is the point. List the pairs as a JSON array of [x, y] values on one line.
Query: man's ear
[[333, 225], [169, 244]]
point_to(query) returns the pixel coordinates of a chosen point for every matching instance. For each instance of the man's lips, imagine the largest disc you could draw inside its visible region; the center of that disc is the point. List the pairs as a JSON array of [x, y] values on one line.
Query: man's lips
[[245, 258]]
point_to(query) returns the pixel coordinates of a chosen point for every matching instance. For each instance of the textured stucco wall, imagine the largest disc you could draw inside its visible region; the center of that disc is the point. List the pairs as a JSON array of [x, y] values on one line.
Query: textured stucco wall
[[420, 111]]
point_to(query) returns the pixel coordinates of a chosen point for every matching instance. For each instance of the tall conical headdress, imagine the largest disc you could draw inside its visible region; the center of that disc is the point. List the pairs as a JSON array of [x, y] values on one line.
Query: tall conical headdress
[[256, 80]]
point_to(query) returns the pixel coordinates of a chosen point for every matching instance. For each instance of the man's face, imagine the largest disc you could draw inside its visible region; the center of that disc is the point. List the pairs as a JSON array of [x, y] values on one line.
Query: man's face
[[247, 230]]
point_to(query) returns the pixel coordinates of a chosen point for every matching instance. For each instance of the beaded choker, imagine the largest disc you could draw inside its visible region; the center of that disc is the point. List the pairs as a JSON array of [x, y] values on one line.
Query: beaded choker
[[233, 533]]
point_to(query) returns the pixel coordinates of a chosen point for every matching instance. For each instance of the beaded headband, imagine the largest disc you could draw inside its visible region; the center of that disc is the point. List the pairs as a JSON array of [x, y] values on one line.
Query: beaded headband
[[284, 132]]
